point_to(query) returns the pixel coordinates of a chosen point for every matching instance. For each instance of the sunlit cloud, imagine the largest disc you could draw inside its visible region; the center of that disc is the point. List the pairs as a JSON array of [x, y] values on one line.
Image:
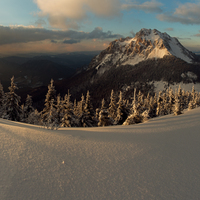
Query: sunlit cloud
[[26, 39], [69, 13], [148, 6], [169, 29], [52, 48], [197, 35], [22, 34], [188, 13]]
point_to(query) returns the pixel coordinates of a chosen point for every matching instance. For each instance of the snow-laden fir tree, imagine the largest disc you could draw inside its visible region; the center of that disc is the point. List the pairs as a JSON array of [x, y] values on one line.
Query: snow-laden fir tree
[[104, 119], [121, 114], [140, 102], [145, 116], [11, 109], [147, 101], [27, 108], [112, 106], [159, 104], [52, 122], [151, 107], [1, 98], [80, 106], [49, 101], [135, 116], [177, 108], [88, 119], [181, 98], [69, 119], [170, 100], [59, 109], [34, 118]]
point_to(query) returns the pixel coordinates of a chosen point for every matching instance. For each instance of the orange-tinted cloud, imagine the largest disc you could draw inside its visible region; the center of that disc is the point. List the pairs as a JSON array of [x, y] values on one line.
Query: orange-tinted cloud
[[68, 13], [47, 46]]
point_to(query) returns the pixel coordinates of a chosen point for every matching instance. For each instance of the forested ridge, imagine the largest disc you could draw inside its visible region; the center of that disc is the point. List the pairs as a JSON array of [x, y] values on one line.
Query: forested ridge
[[61, 112]]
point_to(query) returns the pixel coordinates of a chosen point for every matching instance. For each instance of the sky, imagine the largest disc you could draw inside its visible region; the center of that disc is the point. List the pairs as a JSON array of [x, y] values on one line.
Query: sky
[[59, 26]]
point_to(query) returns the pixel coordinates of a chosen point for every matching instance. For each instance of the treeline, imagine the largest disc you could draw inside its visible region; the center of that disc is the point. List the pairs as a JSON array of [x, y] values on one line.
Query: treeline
[[61, 112]]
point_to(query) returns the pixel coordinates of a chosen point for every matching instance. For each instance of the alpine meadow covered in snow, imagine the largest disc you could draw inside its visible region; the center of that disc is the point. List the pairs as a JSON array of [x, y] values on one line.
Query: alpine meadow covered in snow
[[158, 159]]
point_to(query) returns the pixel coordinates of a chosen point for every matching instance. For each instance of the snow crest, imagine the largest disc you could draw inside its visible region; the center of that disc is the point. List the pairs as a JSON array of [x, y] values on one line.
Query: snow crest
[[158, 159]]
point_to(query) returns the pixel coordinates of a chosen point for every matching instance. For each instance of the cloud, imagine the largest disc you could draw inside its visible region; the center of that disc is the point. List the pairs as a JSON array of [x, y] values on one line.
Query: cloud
[[179, 38], [148, 6], [69, 13], [197, 35], [71, 41], [188, 13], [40, 23], [22, 34], [169, 29]]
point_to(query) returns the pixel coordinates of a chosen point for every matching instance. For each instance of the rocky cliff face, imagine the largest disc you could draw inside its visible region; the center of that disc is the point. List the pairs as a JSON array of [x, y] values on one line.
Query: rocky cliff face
[[147, 44]]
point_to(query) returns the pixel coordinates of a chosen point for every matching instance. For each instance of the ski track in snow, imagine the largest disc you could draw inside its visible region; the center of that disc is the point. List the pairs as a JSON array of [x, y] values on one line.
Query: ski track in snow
[[158, 159]]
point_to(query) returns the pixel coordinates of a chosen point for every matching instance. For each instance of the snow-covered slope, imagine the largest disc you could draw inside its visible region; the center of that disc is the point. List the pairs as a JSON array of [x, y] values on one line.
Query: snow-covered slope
[[154, 160], [147, 44]]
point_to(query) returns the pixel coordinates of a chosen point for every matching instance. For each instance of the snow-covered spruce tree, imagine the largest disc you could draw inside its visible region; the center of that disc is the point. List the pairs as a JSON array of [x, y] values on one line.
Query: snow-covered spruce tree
[[28, 108], [135, 116], [88, 115], [80, 106], [181, 98], [69, 119], [52, 122], [170, 100], [11, 109], [152, 111], [1, 98], [140, 102], [34, 118], [151, 107], [112, 106], [51, 95], [147, 101], [165, 104], [59, 114], [177, 109], [159, 108], [121, 114], [145, 116], [104, 119]]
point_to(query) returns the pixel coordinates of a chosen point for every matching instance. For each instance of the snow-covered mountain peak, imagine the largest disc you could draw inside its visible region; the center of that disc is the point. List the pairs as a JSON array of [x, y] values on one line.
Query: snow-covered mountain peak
[[147, 44]]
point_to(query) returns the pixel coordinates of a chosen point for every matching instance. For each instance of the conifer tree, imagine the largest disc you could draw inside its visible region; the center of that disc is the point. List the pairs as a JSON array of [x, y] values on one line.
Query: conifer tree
[[170, 101], [121, 112], [52, 121], [104, 119], [49, 101], [177, 109], [112, 106], [28, 108], [1, 98], [59, 109], [87, 118], [11, 109], [135, 116], [34, 118], [69, 119]]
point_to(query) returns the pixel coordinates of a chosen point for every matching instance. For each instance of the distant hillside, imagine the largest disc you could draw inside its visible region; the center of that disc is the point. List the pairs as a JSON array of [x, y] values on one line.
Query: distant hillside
[[31, 72]]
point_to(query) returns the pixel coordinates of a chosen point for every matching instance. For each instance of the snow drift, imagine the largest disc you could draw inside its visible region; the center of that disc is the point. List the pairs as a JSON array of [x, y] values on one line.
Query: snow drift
[[154, 160]]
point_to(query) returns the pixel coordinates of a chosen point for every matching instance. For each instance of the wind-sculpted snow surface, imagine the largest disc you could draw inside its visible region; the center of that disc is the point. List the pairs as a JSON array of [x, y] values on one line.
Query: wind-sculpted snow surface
[[158, 159]]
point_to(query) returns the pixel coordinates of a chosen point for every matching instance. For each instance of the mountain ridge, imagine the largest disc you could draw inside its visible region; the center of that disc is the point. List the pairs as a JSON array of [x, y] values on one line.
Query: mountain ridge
[[146, 44]]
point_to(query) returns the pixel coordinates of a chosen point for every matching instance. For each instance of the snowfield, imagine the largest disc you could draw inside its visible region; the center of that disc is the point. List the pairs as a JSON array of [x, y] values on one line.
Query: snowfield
[[158, 159]]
